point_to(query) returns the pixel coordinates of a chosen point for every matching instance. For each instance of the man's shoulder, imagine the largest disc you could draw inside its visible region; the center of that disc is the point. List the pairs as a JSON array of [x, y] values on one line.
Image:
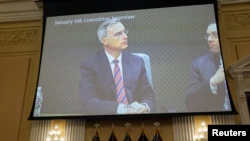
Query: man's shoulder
[[131, 57], [203, 58], [93, 57]]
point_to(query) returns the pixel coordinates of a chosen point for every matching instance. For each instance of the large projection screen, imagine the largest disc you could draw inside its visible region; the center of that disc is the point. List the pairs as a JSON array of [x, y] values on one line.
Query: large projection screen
[[172, 46]]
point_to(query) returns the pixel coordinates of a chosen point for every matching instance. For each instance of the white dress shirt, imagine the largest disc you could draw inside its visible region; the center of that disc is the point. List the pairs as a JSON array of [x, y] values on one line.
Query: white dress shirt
[[122, 108], [214, 90]]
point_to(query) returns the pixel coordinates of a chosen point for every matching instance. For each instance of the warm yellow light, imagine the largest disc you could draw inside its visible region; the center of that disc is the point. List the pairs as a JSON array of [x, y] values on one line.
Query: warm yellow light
[[203, 123], [56, 138], [201, 136], [199, 130], [204, 129], [196, 137], [48, 139], [55, 134]]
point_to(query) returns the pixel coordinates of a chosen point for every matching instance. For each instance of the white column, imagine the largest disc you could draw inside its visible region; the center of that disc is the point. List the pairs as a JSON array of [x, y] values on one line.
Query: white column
[[75, 130], [222, 119], [40, 130], [183, 128]]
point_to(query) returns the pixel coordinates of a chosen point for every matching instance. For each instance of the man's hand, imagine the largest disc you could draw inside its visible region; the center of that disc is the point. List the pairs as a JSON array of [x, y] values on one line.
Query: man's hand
[[218, 77], [136, 107]]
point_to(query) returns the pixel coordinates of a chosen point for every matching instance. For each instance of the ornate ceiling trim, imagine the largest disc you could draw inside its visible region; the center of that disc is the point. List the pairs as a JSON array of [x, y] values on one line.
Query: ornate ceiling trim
[[19, 10], [232, 1]]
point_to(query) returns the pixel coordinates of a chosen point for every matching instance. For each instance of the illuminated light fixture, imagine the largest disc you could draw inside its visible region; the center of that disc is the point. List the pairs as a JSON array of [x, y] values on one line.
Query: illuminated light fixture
[[201, 134], [55, 134]]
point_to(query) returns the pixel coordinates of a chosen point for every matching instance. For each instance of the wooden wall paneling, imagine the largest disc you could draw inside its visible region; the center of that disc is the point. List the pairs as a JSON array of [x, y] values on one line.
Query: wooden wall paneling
[[20, 45], [226, 52], [234, 23], [15, 76], [29, 96], [240, 47]]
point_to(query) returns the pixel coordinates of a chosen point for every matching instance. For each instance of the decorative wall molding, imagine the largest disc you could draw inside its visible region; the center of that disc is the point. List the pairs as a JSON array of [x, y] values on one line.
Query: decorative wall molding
[[232, 1], [18, 37], [21, 16], [240, 85], [240, 67], [5, 1], [237, 70], [21, 10], [183, 128], [238, 20], [238, 44]]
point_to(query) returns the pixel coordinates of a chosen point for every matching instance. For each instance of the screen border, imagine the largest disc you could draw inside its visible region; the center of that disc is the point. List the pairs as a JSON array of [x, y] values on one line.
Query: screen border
[[79, 7]]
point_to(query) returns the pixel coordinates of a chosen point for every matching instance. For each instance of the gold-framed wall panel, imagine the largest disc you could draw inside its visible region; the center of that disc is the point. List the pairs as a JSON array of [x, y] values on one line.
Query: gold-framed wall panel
[[13, 64], [234, 25], [22, 39]]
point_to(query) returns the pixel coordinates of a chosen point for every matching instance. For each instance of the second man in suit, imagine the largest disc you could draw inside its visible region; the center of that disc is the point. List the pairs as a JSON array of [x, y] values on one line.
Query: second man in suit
[[207, 91]]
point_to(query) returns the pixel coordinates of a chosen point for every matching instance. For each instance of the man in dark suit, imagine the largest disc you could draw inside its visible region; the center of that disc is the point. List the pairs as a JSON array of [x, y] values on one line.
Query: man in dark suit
[[206, 90], [114, 81]]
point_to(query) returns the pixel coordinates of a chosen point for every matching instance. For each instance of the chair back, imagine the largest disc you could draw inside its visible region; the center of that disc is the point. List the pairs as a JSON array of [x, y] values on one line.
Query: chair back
[[146, 59]]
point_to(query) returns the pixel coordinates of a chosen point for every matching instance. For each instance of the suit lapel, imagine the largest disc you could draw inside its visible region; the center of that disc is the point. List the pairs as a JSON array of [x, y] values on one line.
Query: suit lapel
[[127, 74], [108, 76], [106, 71], [212, 64]]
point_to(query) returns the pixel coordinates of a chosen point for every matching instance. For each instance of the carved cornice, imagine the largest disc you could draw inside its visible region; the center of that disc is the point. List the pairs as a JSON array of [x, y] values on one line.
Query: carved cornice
[[5, 1], [239, 20], [234, 72], [232, 1], [18, 37], [21, 16], [240, 67]]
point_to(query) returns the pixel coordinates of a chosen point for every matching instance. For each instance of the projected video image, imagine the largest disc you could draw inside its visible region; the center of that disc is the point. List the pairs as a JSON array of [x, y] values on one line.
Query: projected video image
[[149, 61]]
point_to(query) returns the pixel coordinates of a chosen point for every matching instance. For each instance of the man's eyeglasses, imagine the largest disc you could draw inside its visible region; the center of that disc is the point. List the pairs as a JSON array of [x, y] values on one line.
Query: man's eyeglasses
[[213, 35], [119, 34]]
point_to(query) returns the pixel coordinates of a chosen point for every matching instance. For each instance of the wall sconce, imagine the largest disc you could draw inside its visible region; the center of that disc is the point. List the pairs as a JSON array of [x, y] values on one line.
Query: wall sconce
[[201, 134], [55, 134]]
